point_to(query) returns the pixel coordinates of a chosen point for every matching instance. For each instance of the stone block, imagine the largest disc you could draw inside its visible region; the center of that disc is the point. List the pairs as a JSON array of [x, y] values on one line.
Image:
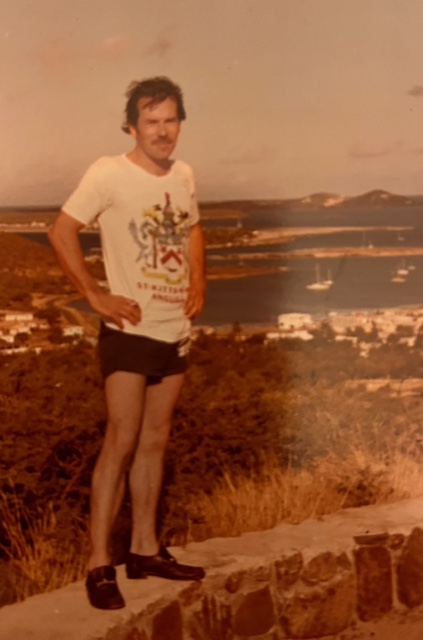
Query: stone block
[[168, 623], [262, 573], [212, 620], [192, 594], [234, 582], [396, 541], [410, 570], [372, 539], [321, 568], [287, 570], [374, 581], [242, 578], [253, 613], [313, 612]]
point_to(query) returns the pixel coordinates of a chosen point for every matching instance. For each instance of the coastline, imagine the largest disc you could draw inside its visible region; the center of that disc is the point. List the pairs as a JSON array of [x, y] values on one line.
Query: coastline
[[242, 263]]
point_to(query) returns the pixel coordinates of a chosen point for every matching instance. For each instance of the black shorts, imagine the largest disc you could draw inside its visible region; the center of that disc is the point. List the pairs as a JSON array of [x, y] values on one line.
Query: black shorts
[[155, 359]]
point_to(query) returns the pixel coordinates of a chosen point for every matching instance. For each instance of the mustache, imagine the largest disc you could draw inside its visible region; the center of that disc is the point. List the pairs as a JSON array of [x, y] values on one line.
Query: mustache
[[160, 140]]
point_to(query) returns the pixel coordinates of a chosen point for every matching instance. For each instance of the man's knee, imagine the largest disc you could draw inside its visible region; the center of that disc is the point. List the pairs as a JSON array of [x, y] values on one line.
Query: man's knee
[[120, 445], [154, 437]]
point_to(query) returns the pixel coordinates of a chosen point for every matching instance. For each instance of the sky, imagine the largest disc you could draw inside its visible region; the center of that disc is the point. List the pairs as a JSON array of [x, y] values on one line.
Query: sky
[[284, 98]]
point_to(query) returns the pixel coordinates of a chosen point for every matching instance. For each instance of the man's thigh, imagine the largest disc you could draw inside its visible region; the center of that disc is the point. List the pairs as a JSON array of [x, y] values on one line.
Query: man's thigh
[[125, 399], [161, 399]]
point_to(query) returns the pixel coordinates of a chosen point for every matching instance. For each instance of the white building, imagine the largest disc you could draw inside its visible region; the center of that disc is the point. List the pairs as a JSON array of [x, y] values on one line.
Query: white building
[[292, 321], [19, 316], [73, 331]]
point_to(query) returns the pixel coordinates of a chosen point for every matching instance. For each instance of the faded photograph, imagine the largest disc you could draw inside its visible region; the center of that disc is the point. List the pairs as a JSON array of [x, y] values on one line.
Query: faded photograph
[[211, 320]]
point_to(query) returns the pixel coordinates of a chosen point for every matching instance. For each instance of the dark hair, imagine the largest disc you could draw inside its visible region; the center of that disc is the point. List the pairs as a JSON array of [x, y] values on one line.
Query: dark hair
[[158, 89]]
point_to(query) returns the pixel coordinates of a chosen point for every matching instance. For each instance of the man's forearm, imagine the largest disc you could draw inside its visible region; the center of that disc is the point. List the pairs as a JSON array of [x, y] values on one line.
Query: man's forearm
[[197, 256], [64, 237], [197, 278]]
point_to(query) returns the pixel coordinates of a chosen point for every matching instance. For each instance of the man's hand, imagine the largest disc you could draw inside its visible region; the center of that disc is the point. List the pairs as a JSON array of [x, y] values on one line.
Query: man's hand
[[195, 300], [116, 308]]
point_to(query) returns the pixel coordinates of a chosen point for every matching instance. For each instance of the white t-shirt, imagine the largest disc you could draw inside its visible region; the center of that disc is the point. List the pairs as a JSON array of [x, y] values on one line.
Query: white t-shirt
[[144, 223]]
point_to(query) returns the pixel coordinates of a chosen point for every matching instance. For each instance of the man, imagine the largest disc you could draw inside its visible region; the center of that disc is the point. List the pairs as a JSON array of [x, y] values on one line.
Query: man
[[153, 249]]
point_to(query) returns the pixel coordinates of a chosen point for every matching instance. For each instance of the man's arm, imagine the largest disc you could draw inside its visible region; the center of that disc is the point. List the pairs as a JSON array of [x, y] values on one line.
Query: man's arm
[[197, 282], [64, 237]]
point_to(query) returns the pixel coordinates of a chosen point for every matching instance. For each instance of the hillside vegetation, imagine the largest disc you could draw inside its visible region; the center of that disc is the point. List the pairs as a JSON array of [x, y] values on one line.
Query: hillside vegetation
[[264, 433], [27, 268]]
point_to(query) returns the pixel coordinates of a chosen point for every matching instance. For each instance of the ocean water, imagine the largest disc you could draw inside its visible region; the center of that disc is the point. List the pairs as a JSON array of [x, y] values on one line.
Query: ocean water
[[359, 283]]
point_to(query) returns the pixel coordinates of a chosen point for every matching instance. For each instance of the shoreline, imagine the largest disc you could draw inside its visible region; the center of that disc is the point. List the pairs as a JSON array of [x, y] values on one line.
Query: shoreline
[[281, 235]]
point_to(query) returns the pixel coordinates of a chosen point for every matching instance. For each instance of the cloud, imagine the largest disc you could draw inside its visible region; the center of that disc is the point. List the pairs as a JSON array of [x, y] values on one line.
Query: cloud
[[377, 151], [257, 155], [416, 91]]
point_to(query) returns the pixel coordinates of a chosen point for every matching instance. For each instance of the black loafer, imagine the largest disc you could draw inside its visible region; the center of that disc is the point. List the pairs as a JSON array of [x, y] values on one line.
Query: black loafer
[[163, 565], [102, 589]]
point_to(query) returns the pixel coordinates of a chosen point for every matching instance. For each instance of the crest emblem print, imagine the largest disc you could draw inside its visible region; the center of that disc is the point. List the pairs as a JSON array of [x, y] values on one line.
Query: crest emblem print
[[161, 237]]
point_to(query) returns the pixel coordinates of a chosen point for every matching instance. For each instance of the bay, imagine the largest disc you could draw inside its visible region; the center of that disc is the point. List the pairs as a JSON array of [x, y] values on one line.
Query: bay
[[359, 283]]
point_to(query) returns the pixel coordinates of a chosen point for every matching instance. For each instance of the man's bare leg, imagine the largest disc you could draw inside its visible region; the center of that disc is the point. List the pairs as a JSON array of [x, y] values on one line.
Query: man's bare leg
[[145, 479], [125, 394]]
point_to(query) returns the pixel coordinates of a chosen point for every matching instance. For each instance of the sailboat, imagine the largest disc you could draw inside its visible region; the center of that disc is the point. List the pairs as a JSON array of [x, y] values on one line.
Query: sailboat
[[402, 269], [328, 280], [397, 277], [319, 285], [366, 243]]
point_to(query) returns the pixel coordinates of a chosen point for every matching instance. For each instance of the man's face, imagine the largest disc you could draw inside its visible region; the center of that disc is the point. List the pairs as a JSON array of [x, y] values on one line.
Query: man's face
[[157, 129]]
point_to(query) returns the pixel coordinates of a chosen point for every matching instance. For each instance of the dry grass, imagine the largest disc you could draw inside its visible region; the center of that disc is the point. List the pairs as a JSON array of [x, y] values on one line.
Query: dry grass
[[41, 560], [241, 504]]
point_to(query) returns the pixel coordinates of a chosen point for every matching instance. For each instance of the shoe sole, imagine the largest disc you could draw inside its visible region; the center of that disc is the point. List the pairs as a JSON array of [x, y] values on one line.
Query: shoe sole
[[136, 576], [158, 574]]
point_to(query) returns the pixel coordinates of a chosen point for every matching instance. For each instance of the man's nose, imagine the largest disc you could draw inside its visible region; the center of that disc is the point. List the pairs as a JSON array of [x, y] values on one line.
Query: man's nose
[[162, 129]]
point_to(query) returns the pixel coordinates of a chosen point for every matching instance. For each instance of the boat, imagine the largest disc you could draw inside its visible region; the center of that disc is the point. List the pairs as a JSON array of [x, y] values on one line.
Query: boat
[[402, 269], [319, 285], [328, 280], [366, 243]]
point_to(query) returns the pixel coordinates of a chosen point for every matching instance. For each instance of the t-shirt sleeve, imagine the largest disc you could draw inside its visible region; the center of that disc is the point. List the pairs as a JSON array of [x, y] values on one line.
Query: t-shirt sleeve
[[194, 213], [90, 198]]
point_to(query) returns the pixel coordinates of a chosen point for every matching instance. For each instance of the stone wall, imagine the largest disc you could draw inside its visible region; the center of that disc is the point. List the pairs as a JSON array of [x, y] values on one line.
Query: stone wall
[[313, 580]]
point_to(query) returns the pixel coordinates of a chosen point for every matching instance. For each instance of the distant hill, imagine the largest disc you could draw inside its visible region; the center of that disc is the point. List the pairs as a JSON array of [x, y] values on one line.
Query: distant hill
[[375, 198], [318, 200], [380, 198], [225, 208]]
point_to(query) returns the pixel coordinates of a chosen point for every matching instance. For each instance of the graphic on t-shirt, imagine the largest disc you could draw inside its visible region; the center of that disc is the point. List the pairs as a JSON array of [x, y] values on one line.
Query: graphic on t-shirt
[[161, 237]]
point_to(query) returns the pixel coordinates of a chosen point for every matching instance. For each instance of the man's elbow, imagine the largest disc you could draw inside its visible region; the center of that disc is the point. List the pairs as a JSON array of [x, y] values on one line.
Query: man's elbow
[[197, 233], [62, 227], [52, 235]]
